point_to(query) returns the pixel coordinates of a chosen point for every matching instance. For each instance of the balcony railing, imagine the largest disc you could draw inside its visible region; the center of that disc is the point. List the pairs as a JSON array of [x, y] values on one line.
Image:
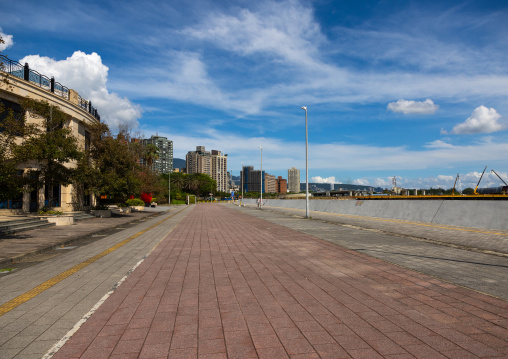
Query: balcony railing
[[24, 72]]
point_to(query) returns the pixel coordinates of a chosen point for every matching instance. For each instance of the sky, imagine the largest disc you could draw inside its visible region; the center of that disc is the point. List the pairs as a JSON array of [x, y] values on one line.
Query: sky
[[416, 90]]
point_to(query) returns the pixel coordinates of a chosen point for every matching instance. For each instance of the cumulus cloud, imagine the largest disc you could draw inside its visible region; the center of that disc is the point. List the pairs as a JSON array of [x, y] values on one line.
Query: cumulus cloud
[[426, 107], [320, 179], [361, 181], [86, 74], [482, 120], [8, 42]]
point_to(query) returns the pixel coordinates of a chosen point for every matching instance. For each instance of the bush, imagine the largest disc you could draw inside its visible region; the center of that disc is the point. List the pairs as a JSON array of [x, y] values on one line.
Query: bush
[[46, 211], [134, 202], [154, 200]]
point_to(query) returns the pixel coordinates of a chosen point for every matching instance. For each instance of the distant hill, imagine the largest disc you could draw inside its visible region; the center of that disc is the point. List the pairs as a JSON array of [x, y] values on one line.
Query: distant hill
[[179, 163]]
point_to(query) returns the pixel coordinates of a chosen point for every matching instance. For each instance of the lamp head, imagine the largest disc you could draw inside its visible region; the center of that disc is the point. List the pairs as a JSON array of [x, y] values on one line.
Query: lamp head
[[304, 108]]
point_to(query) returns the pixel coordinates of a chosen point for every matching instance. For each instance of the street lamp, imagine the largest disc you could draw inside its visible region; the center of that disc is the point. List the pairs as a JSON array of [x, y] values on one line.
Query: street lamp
[[261, 175], [306, 165], [241, 177], [169, 186]]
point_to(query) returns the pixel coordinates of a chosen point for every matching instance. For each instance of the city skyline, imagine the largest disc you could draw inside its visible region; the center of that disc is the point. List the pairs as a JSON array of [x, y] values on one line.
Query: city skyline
[[412, 90]]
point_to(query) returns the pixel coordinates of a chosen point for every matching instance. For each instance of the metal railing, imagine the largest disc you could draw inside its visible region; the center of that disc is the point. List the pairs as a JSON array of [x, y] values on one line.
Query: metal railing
[[24, 72]]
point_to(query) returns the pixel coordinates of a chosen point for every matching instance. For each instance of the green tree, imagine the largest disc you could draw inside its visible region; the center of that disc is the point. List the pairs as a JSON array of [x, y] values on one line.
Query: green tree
[[12, 127], [52, 146], [150, 154], [110, 167], [468, 191]]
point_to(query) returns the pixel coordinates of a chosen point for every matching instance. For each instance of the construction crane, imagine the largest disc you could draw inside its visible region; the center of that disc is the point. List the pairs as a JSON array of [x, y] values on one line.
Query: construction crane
[[456, 179], [479, 180], [499, 177]]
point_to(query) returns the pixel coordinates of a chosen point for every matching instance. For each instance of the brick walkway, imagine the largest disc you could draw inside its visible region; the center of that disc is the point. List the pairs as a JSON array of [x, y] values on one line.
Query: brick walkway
[[227, 285]]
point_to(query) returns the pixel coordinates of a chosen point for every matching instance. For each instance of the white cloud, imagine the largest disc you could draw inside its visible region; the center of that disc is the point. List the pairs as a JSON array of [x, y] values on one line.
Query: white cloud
[[413, 107], [361, 181], [286, 30], [319, 179], [86, 74], [8, 42], [482, 120]]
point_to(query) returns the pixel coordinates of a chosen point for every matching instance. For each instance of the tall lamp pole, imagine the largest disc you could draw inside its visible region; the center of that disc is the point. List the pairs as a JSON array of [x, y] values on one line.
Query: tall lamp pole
[[306, 165], [241, 177], [169, 186], [261, 175]]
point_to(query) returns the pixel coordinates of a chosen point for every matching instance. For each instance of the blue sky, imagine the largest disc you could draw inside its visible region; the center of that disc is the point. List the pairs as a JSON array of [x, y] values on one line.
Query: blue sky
[[412, 89]]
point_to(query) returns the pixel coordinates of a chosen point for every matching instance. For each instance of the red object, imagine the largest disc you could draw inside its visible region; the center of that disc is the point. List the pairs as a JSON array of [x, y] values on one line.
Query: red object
[[146, 197], [131, 197]]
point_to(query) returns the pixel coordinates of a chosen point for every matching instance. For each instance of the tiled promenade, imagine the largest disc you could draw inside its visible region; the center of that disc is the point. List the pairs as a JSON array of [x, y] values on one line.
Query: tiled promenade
[[227, 285]]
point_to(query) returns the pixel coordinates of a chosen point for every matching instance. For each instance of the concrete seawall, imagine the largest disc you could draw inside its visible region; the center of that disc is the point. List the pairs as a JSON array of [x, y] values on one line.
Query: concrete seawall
[[475, 213]]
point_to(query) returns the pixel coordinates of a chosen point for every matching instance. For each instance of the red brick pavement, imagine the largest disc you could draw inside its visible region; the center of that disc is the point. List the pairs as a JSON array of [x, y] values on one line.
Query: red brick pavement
[[227, 285]]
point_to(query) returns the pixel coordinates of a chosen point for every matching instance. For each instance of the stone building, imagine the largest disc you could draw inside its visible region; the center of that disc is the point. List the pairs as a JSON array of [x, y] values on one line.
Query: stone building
[[18, 82]]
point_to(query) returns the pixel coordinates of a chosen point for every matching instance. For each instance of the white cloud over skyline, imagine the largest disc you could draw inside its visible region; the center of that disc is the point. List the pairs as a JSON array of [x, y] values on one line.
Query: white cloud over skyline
[[413, 107], [86, 74]]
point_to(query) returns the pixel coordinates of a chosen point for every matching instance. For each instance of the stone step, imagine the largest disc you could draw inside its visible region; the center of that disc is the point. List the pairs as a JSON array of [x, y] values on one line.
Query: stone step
[[27, 225]]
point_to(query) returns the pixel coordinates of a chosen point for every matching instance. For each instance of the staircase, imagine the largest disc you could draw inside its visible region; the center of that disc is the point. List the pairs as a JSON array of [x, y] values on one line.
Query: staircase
[[81, 216], [22, 224]]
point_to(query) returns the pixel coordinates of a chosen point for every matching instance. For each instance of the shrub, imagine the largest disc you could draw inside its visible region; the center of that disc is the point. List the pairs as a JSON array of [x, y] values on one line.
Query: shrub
[[46, 211], [134, 202]]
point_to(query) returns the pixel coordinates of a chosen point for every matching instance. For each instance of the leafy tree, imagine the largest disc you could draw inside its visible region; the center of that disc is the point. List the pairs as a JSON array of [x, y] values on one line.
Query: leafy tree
[[110, 167], [468, 191], [12, 126], [150, 154], [52, 146]]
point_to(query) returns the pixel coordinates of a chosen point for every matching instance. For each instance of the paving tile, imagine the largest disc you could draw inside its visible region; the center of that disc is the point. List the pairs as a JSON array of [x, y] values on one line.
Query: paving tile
[[272, 292]]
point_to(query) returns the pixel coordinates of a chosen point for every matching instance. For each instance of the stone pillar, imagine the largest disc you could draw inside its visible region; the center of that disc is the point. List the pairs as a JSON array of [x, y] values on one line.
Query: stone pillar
[[74, 97]]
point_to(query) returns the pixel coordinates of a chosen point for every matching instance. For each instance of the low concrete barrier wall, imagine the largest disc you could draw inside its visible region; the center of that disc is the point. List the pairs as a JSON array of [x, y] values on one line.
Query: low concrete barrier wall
[[475, 213]]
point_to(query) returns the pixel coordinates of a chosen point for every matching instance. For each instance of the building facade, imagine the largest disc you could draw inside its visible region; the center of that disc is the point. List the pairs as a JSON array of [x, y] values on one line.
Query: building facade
[[164, 161], [294, 180], [220, 170], [281, 185], [214, 164], [270, 183], [18, 82]]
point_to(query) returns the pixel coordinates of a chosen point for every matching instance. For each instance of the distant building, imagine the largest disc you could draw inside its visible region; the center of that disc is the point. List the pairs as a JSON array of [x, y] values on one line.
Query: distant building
[[251, 179], [270, 183], [214, 164], [281, 185], [294, 180], [220, 170], [164, 161], [199, 161]]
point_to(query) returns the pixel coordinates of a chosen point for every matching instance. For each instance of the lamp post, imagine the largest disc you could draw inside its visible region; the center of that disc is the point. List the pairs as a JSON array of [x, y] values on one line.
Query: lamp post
[[241, 177], [306, 165], [261, 175], [169, 186]]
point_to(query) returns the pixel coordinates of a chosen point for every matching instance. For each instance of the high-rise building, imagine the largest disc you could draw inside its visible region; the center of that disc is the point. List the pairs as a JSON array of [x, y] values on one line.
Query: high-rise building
[[252, 179], [220, 170], [214, 164], [164, 161], [281, 185], [294, 180], [199, 161]]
